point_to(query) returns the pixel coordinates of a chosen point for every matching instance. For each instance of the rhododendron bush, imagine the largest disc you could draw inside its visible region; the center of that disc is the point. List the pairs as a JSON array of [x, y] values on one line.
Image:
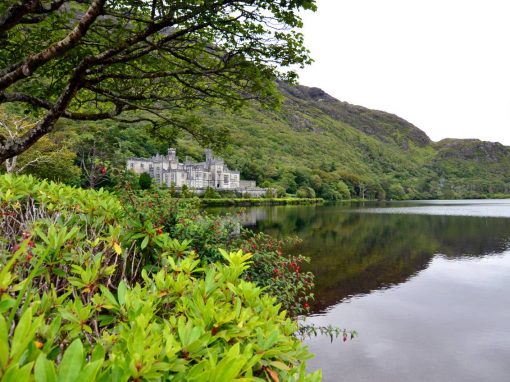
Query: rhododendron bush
[[278, 272], [97, 287]]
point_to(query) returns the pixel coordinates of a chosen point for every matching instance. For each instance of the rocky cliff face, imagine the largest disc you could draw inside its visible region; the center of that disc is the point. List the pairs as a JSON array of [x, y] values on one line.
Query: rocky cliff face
[[386, 127], [472, 150]]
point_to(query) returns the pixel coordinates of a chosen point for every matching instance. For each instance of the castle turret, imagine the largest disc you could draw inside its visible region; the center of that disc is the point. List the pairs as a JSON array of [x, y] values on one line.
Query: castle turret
[[208, 155], [172, 154]]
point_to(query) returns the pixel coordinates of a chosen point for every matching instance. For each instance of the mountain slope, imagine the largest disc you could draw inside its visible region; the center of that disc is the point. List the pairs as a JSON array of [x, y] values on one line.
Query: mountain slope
[[386, 127], [319, 142], [314, 145]]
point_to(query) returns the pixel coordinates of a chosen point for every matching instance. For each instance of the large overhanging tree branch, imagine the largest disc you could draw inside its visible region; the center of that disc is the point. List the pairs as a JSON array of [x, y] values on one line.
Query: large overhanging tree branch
[[102, 59]]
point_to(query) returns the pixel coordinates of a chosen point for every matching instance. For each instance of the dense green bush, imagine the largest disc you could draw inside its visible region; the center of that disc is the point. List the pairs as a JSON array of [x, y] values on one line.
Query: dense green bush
[[205, 234], [305, 192], [210, 193], [280, 274], [396, 191], [145, 181], [91, 289]]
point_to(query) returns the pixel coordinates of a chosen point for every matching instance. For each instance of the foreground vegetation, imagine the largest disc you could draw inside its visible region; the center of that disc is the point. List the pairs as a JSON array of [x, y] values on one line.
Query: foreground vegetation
[[135, 287]]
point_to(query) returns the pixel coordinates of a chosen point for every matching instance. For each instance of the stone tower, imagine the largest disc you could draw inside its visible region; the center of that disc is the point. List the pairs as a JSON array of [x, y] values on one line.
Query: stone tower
[[208, 155], [172, 156]]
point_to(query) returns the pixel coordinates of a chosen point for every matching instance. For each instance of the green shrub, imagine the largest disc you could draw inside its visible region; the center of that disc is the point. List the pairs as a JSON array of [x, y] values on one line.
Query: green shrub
[[185, 192], [91, 290], [270, 193], [184, 221], [210, 193], [336, 190], [185, 323], [145, 181], [305, 192], [396, 191], [228, 194], [280, 274], [280, 192]]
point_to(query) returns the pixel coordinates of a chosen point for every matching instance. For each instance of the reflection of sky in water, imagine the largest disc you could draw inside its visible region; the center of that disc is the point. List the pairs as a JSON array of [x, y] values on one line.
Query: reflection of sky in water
[[420, 316], [482, 208], [451, 322]]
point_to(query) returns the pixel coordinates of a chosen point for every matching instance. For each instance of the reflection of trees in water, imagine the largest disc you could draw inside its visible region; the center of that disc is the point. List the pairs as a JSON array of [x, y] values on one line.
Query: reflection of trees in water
[[354, 253]]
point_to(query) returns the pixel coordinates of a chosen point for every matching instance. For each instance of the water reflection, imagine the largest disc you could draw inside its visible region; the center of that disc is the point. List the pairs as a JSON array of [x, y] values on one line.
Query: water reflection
[[355, 252], [448, 323], [428, 292]]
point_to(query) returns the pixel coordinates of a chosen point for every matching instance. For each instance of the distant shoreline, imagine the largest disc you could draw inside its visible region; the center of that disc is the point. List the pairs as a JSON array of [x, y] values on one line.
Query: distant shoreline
[[248, 202]]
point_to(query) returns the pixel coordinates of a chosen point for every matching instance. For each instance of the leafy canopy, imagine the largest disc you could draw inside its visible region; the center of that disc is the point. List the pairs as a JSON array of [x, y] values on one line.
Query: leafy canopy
[[101, 59]]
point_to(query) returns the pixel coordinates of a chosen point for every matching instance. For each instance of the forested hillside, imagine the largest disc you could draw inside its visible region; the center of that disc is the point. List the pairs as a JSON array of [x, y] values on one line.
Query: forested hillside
[[313, 145], [319, 142]]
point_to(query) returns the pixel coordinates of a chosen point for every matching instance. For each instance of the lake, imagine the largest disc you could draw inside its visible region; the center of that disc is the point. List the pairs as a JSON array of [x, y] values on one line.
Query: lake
[[425, 284]]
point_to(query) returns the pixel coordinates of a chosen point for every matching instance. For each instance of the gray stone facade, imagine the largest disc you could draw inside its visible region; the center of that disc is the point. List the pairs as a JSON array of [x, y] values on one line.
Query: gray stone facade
[[214, 173]]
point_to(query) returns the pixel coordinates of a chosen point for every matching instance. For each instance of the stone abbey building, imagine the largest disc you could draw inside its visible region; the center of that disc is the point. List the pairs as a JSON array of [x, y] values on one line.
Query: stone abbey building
[[214, 173]]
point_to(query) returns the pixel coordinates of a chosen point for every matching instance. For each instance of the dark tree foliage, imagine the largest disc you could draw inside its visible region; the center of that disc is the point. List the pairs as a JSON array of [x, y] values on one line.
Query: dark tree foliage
[[145, 181], [102, 59]]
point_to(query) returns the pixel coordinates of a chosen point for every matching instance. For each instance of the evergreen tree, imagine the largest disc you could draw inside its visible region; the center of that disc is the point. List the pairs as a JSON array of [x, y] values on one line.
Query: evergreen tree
[[145, 181]]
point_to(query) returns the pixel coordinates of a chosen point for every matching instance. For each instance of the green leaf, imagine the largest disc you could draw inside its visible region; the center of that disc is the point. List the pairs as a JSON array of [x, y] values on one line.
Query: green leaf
[[12, 261], [16, 374], [23, 334], [59, 272], [145, 242], [121, 292], [110, 297], [4, 342], [98, 353], [71, 364], [89, 372], [6, 304], [44, 370], [280, 365]]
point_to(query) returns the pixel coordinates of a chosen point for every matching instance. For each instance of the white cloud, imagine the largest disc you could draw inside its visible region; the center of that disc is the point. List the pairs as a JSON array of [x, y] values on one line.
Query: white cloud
[[442, 65]]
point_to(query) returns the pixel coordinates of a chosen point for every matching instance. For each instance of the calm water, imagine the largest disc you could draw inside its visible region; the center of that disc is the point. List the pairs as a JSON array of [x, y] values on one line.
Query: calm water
[[425, 284]]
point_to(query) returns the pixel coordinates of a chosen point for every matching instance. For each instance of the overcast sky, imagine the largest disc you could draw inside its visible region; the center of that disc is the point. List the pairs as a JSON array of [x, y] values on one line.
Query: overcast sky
[[443, 65]]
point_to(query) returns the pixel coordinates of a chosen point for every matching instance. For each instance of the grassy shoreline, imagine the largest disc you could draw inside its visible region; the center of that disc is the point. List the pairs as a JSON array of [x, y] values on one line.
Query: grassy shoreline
[[259, 201]]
